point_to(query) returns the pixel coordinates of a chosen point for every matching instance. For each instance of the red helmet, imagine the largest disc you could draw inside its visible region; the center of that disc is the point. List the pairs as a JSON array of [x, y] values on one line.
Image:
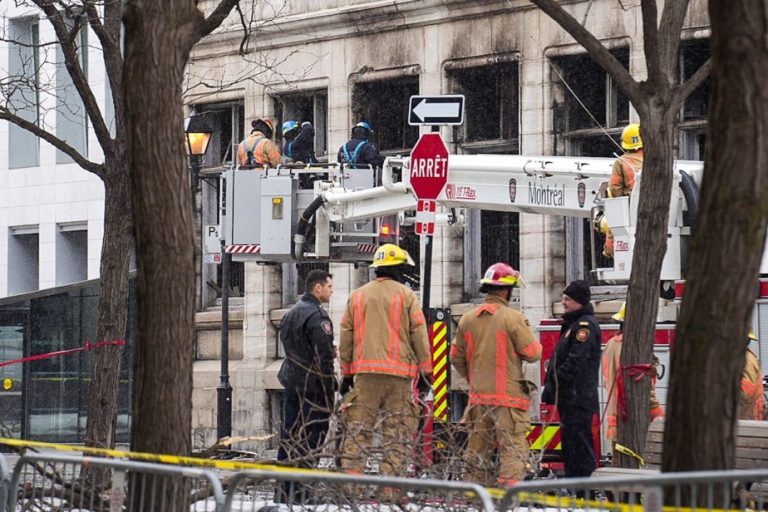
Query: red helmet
[[501, 274]]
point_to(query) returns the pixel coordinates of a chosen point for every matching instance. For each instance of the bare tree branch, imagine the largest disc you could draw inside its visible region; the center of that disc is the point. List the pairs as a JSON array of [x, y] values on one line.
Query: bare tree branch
[[596, 50], [684, 90], [75, 70], [97, 169], [218, 15], [651, 40], [672, 18]]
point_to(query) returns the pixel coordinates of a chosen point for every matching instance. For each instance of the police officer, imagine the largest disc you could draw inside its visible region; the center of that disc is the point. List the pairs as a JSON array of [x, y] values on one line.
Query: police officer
[[383, 349], [307, 373], [572, 379], [359, 150], [491, 343]]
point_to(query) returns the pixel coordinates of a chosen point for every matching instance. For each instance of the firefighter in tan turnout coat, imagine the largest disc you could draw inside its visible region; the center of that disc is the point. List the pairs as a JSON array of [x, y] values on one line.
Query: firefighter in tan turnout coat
[[384, 349], [490, 344]]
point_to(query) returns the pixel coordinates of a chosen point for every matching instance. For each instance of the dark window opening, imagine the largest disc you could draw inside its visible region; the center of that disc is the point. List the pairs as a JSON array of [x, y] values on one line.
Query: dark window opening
[[590, 98], [385, 105], [310, 106], [492, 103], [228, 123], [692, 56], [500, 238]]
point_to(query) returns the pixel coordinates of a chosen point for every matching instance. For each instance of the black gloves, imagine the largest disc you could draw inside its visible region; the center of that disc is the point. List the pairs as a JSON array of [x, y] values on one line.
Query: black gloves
[[347, 383]]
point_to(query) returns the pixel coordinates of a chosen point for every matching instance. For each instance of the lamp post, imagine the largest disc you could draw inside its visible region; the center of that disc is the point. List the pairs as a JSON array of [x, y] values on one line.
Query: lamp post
[[198, 135]]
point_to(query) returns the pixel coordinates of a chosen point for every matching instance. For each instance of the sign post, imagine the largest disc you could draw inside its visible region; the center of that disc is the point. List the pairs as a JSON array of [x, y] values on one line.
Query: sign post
[[429, 176]]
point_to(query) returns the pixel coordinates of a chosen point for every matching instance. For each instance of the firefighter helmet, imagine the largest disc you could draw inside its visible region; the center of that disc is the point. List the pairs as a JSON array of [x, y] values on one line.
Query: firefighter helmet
[[502, 275], [289, 126], [630, 137], [389, 255], [751, 335], [264, 125], [621, 313]]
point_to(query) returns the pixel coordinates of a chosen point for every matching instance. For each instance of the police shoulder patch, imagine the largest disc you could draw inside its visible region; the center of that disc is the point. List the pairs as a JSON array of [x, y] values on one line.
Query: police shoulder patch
[[582, 335], [327, 327]]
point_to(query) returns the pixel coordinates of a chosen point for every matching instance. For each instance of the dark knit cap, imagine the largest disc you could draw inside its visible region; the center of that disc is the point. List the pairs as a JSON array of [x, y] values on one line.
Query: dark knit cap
[[579, 291]]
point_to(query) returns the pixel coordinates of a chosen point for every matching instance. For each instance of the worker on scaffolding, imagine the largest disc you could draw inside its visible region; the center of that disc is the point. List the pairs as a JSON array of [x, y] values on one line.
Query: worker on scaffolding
[[488, 350], [359, 151], [623, 173], [298, 142], [611, 367], [258, 150]]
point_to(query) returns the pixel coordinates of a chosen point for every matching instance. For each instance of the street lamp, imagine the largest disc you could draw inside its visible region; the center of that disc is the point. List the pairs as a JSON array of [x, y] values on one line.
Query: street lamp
[[198, 134]]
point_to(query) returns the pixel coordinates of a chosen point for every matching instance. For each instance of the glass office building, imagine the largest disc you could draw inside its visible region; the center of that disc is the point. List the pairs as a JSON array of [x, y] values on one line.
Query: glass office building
[[47, 399]]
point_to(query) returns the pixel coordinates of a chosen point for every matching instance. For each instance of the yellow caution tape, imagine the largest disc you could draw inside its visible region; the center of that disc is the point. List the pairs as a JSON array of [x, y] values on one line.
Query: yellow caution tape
[[162, 458], [626, 451]]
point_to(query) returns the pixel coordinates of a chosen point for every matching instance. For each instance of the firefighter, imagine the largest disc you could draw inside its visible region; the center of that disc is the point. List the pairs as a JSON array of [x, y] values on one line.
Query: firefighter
[[299, 142], [751, 391], [490, 344], [383, 349], [258, 150], [623, 174], [572, 379], [308, 376], [611, 367], [359, 150]]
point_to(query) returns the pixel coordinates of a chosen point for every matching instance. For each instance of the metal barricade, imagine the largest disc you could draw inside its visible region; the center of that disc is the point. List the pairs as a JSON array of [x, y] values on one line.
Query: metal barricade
[[48, 481], [283, 490], [701, 491]]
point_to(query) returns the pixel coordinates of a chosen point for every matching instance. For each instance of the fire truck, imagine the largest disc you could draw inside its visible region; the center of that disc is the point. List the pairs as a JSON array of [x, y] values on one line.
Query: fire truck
[[338, 213]]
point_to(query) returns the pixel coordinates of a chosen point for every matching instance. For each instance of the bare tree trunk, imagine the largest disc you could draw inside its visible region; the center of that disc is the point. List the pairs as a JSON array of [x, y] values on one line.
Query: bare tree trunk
[[658, 130], [113, 306], [157, 45], [727, 246]]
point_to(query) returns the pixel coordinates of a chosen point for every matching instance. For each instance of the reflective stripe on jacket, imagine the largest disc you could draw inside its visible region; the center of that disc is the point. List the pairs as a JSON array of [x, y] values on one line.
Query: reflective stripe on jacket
[[490, 344], [751, 392], [264, 151], [383, 330]]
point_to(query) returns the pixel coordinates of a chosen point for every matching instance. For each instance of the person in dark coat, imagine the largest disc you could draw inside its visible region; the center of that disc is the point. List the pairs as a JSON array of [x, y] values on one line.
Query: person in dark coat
[[299, 142], [307, 374], [572, 379], [359, 150]]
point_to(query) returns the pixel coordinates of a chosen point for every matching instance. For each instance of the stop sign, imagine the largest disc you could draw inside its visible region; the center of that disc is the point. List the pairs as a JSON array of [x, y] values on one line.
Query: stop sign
[[429, 166]]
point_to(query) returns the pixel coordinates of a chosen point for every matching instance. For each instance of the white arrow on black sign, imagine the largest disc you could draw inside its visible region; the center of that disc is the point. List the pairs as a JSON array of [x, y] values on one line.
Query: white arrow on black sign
[[433, 110]]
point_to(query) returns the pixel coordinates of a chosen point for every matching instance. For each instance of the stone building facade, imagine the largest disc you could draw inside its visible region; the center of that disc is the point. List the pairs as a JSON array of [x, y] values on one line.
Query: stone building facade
[[530, 89]]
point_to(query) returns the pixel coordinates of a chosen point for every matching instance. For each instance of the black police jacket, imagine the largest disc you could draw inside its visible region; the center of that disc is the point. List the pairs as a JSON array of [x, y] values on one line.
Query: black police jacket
[[307, 337], [573, 372]]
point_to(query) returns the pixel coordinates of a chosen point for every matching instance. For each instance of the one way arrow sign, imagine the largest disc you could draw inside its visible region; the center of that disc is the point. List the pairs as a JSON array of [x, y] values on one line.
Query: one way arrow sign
[[434, 110]]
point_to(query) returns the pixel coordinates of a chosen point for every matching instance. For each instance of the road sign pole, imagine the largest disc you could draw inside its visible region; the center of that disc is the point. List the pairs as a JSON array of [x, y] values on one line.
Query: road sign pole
[[224, 390]]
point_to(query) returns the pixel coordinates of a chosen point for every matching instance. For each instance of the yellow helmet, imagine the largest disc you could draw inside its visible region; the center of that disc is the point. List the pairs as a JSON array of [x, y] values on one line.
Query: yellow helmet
[[630, 137], [751, 334], [619, 316], [389, 255]]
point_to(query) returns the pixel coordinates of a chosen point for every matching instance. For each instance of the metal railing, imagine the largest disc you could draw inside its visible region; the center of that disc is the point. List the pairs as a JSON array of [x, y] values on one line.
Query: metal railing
[[252, 490], [706, 490], [49, 481], [52, 481]]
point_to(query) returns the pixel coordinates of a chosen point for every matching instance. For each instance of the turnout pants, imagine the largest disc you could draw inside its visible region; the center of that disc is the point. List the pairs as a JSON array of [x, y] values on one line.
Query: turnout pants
[[381, 418], [491, 426]]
